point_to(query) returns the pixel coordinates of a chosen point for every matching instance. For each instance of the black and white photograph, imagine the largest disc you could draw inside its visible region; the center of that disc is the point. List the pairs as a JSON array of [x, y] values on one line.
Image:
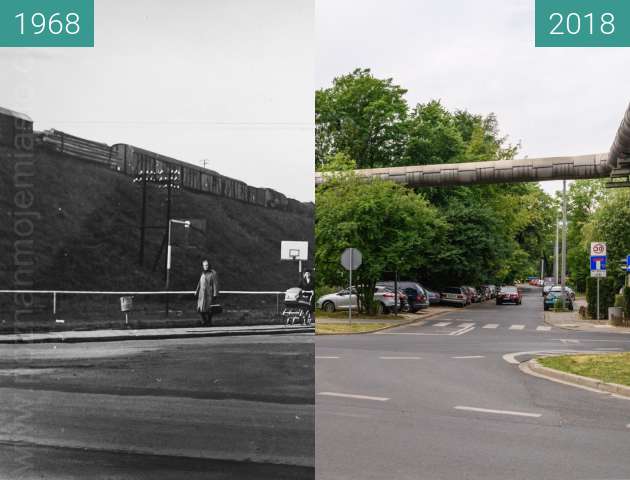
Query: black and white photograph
[[157, 246]]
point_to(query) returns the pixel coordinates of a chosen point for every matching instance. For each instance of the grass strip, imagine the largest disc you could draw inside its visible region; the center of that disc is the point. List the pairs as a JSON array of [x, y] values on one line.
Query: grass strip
[[344, 328], [609, 368]]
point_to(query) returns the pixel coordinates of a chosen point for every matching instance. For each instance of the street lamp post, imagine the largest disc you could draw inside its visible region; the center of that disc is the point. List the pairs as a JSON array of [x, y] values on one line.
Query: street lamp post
[[171, 221], [563, 272]]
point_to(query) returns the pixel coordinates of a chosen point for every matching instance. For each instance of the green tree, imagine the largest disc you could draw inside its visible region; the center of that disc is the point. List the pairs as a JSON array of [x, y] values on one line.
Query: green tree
[[610, 224], [583, 199], [432, 136], [391, 225], [362, 117]]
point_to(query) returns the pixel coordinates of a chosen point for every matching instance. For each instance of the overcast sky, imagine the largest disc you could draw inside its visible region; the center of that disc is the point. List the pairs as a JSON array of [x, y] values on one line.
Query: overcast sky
[[480, 55], [230, 81]]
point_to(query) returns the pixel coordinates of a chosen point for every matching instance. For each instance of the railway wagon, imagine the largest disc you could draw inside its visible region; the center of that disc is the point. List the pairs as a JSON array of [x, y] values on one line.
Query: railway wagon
[[12, 125], [134, 161]]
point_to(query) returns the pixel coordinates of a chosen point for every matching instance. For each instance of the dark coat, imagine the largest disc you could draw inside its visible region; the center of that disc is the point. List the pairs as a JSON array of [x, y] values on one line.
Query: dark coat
[[207, 290]]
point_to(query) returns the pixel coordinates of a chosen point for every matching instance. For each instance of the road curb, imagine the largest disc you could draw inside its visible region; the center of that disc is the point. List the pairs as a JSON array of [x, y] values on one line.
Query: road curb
[[577, 380], [157, 336]]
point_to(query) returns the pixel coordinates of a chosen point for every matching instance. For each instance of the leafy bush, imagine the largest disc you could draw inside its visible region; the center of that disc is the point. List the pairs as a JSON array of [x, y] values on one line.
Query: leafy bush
[[619, 301], [606, 296]]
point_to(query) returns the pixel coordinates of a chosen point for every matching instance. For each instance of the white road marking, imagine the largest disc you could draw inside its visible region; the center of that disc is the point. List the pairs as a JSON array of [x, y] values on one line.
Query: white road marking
[[462, 331], [350, 395], [400, 358], [568, 341], [326, 357], [517, 327], [542, 328], [491, 325], [498, 412], [466, 324], [468, 356], [442, 324]]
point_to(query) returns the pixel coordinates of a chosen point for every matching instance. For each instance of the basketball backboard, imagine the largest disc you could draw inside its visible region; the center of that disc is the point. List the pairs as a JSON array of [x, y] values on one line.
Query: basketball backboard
[[290, 250]]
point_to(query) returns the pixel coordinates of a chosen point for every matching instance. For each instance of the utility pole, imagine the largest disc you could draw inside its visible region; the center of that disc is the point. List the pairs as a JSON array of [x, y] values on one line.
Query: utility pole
[[556, 253], [563, 272]]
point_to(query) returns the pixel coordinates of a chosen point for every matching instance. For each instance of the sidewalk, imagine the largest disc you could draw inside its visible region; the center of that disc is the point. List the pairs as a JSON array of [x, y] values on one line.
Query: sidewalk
[[572, 321], [151, 334]]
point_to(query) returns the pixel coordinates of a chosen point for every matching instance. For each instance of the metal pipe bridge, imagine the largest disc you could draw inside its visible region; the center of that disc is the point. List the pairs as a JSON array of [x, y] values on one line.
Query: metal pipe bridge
[[615, 165]]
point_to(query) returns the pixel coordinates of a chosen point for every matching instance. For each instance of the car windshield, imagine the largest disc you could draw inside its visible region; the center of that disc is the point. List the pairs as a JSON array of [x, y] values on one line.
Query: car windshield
[[509, 290]]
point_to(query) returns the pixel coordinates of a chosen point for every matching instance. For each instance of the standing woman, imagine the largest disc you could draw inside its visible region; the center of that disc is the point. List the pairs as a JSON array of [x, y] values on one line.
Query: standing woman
[[207, 291]]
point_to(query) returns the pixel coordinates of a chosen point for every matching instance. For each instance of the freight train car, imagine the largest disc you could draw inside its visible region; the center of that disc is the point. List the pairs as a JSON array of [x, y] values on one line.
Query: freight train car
[[12, 126], [137, 162]]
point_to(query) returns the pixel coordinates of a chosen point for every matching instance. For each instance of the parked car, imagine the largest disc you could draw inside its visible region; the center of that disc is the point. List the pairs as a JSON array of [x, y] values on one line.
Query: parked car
[[492, 291], [340, 300], [509, 294], [553, 296], [417, 297], [558, 289], [481, 294], [387, 300], [434, 296], [337, 301], [473, 296], [454, 296]]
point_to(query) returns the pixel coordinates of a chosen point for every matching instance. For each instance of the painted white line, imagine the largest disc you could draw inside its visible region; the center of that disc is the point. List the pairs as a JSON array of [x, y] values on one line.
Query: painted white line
[[350, 395], [517, 327], [400, 358], [442, 324], [568, 341], [468, 356], [499, 412], [628, 426], [466, 324], [491, 325], [542, 328], [326, 357], [463, 331]]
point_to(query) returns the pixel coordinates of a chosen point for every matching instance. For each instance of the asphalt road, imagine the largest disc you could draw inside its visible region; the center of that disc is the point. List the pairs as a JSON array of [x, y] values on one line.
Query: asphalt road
[[209, 408], [440, 401]]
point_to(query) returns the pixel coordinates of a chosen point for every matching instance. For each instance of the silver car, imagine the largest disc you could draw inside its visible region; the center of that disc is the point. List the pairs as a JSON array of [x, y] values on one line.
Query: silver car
[[341, 300]]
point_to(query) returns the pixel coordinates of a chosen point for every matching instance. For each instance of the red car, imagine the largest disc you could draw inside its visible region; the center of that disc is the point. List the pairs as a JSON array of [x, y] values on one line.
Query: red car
[[509, 295]]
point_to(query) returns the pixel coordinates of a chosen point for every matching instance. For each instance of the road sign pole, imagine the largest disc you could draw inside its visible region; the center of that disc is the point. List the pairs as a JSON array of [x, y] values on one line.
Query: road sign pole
[[597, 298], [350, 295], [563, 271]]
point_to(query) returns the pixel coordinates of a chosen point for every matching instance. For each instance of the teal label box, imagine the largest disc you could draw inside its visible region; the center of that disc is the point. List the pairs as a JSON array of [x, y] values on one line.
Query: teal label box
[[583, 23], [46, 23]]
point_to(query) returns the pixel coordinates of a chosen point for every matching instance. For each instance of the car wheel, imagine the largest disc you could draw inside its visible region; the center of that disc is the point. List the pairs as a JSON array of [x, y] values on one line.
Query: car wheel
[[328, 307]]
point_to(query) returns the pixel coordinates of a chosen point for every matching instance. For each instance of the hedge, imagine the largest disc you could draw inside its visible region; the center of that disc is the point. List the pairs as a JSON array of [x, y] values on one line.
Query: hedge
[[607, 293]]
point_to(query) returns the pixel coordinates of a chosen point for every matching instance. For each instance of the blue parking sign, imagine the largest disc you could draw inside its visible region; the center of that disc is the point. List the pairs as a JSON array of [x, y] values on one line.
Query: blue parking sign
[[628, 264], [598, 263]]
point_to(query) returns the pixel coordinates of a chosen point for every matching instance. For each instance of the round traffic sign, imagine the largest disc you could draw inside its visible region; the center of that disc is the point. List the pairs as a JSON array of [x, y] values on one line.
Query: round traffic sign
[[351, 258]]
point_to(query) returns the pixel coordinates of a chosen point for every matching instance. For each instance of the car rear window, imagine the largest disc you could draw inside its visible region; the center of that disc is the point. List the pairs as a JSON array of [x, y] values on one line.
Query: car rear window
[[452, 290], [509, 290]]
